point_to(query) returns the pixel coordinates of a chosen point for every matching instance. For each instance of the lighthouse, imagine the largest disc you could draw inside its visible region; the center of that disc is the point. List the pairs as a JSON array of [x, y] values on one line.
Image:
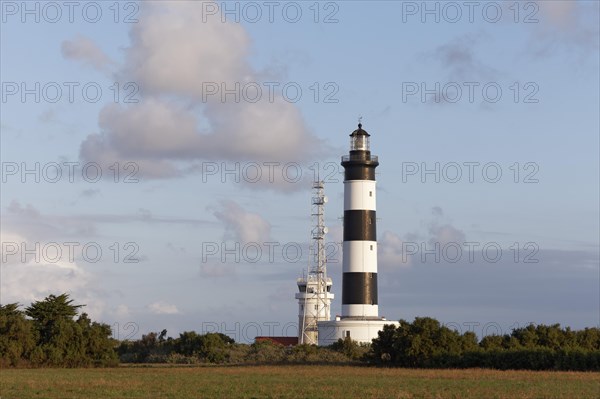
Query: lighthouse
[[360, 319], [359, 279]]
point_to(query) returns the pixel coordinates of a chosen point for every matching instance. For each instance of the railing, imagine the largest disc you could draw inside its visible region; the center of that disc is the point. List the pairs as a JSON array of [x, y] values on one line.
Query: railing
[[360, 157]]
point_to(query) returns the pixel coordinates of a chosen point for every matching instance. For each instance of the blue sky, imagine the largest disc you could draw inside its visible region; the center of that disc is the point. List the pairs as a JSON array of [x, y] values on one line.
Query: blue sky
[[369, 59]]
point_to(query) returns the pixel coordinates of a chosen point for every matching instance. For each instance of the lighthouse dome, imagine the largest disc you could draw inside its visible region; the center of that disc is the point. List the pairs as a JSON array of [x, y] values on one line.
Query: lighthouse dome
[[359, 139], [359, 132]]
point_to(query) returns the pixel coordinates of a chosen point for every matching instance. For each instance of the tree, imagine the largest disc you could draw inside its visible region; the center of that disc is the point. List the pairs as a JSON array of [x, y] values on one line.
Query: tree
[[47, 313], [382, 348], [212, 348], [350, 348], [188, 343], [492, 342], [162, 336], [62, 341], [17, 336], [424, 342]]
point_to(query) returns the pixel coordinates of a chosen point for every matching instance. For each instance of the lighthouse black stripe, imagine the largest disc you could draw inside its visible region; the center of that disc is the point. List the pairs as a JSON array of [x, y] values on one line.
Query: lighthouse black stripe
[[359, 289], [359, 225], [359, 165], [359, 172]]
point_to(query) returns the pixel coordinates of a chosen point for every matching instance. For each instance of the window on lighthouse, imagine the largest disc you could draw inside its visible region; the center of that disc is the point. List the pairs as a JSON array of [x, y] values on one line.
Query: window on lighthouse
[[359, 143]]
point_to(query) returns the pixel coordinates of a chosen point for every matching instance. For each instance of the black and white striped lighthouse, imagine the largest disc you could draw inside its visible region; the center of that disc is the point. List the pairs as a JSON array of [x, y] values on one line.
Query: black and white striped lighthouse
[[360, 319], [359, 280]]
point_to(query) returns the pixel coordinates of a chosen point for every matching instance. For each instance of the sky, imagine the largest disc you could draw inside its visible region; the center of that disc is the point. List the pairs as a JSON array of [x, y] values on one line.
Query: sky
[[157, 158]]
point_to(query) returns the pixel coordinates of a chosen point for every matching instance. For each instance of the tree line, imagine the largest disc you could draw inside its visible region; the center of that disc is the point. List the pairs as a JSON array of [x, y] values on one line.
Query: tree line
[[47, 334], [427, 343], [53, 333], [216, 348]]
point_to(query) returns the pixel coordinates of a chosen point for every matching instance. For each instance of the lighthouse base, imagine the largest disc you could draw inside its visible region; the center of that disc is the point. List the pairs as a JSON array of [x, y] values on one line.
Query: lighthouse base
[[360, 330]]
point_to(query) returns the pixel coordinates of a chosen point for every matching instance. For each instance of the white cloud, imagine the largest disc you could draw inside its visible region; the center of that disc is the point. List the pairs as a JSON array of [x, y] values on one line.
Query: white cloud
[[161, 307], [443, 233], [172, 57], [391, 251], [29, 221], [440, 232], [43, 270], [86, 50], [242, 226], [174, 51], [446, 233]]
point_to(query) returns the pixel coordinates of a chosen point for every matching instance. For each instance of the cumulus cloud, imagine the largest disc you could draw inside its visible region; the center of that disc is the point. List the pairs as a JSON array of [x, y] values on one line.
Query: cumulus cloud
[[174, 60], [43, 254], [391, 251], [242, 226], [32, 270], [30, 281], [39, 227], [174, 49], [162, 307], [442, 231], [87, 51], [396, 250], [445, 234]]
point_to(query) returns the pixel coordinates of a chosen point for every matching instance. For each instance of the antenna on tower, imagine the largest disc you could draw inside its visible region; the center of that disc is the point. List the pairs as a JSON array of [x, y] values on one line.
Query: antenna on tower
[[314, 296]]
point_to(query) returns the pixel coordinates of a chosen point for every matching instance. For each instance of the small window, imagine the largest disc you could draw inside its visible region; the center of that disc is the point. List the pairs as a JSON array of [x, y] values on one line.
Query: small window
[[370, 193], [316, 307], [348, 334], [371, 247]]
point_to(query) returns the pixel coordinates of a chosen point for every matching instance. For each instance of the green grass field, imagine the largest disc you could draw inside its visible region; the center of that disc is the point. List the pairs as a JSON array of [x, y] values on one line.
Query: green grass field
[[292, 382]]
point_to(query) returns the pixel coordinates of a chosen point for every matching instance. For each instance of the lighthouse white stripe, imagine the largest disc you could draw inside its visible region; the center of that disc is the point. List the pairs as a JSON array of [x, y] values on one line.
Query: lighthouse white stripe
[[359, 194], [360, 256], [360, 310]]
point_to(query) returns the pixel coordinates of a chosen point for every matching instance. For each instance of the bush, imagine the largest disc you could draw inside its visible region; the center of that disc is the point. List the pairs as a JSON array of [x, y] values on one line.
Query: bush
[[52, 337], [426, 343]]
